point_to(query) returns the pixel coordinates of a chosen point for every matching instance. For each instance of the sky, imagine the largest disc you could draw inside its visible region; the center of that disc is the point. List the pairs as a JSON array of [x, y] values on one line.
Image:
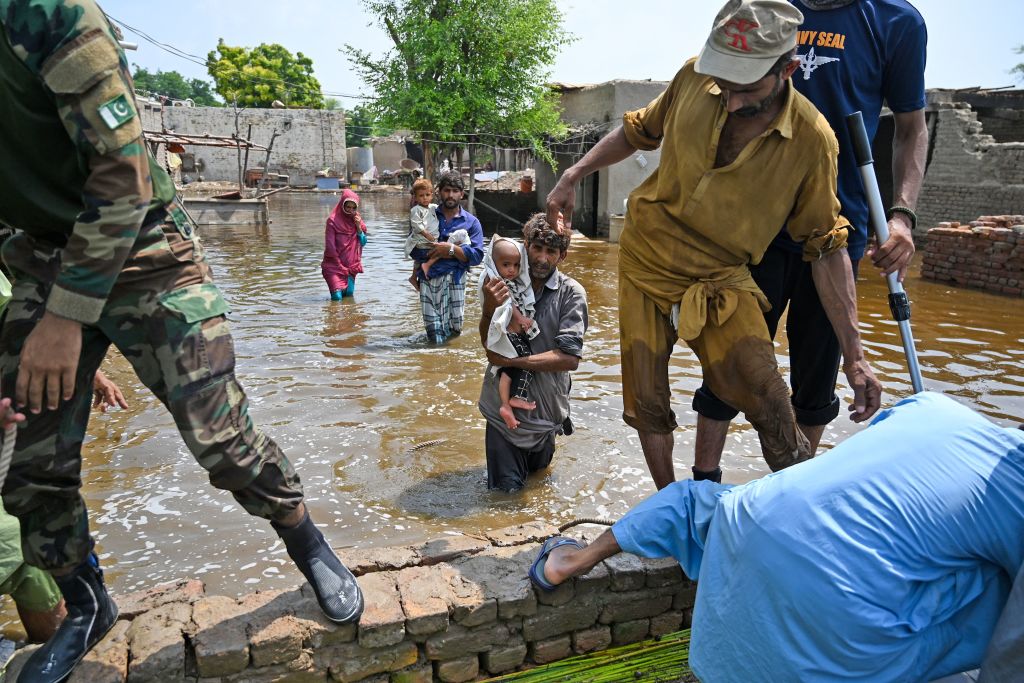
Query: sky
[[970, 42]]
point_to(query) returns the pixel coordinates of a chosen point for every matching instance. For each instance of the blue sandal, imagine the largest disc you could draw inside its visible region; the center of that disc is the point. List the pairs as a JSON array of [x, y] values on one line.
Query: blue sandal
[[537, 568]]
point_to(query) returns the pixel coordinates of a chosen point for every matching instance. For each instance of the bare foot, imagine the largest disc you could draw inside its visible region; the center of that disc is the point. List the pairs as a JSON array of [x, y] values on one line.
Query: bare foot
[[522, 403], [559, 566], [509, 417], [426, 269]]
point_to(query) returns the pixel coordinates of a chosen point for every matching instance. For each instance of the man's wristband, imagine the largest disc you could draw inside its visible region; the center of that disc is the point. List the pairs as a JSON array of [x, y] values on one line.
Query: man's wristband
[[906, 211]]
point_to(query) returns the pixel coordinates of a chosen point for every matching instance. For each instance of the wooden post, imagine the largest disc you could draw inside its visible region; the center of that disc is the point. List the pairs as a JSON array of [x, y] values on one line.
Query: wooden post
[[245, 164], [472, 174]]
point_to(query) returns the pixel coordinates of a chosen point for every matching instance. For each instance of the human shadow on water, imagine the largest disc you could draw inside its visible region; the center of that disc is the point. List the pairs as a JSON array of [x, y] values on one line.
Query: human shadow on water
[[418, 341], [459, 494]]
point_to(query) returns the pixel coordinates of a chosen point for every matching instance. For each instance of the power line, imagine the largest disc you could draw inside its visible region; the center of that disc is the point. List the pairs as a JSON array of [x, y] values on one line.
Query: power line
[[569, 145], [196, 59]]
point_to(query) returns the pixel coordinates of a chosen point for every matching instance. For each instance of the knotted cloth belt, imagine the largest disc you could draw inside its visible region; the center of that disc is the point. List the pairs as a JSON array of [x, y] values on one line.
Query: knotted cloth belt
[[714, 301]]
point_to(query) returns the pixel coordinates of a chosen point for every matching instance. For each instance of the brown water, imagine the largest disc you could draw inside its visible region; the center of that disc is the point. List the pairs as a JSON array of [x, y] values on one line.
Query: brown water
[[347, 388]]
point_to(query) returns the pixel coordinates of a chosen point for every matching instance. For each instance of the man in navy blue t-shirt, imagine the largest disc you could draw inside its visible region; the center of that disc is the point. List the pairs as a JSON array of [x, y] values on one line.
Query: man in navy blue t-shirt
[[854, 55]]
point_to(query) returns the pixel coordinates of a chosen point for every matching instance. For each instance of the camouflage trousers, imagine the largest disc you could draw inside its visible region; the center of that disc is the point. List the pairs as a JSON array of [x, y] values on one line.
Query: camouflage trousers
[[166, 317]]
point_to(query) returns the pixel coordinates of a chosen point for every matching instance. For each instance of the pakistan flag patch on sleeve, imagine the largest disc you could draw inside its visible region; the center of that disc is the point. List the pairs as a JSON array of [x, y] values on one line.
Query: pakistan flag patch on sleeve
[[116, 112]]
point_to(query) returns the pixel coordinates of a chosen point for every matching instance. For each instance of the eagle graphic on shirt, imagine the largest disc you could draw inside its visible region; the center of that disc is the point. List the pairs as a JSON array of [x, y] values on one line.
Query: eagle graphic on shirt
[[810, 62]]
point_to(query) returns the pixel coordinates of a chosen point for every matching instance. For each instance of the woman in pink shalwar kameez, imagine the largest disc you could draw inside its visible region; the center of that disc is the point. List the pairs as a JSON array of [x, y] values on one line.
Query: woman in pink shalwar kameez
[[343, 246]]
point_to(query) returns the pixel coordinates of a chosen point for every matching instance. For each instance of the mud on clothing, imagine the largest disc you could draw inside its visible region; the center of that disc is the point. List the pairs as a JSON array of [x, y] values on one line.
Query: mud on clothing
[[852, 58], [690, 233], [814, 352]]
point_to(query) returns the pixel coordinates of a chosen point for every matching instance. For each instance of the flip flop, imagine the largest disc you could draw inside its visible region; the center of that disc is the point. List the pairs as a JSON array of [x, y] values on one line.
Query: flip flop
[[537, 568]]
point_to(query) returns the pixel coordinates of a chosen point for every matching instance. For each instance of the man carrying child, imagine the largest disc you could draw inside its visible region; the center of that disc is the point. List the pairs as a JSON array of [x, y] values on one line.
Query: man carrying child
[[560, 313], [512, 325], [442, 285]]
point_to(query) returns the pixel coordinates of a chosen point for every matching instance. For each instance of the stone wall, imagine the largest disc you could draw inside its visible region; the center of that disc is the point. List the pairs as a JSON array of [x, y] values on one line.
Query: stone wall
[[450, 610], [969, 173], [985, 254], [310, 140]]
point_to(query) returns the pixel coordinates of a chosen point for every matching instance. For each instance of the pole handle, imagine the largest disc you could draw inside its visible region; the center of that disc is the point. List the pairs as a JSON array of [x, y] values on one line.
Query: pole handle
[[859, 139]]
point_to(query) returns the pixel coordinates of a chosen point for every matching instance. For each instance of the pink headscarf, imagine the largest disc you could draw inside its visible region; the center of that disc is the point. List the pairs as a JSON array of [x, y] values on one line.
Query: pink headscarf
[[342, 251]]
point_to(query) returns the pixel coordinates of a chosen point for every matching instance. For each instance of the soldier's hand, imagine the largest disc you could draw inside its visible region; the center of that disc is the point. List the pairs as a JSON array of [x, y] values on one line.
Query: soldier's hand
[[49, 359]]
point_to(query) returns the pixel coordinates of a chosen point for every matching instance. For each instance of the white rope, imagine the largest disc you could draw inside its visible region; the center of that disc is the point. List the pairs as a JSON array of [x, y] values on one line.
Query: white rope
[[7, 452]]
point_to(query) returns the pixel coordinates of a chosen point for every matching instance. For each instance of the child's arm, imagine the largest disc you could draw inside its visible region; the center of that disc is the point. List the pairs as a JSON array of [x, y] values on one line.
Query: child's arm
[[418, 221], [519, 322]]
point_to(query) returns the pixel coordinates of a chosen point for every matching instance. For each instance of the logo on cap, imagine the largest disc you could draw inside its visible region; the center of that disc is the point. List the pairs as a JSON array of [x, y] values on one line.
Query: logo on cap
[[736, 30]]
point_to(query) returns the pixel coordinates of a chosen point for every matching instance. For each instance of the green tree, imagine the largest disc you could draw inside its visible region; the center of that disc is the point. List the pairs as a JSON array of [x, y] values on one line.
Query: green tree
[[466, 71], [361, 123], [202, 93], [1018, 70], [258, 76], [172, 84]]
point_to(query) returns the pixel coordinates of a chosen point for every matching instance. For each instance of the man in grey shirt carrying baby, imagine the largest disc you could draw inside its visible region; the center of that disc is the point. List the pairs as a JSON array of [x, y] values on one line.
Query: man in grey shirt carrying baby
[[561, 315]]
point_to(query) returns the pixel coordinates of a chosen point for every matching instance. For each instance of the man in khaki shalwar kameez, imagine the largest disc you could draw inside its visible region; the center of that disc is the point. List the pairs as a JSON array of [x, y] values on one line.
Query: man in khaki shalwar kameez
[[742, 153]]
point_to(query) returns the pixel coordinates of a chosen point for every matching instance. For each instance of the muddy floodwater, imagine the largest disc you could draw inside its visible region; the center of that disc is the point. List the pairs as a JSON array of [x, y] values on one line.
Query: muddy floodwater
[[347, 388]]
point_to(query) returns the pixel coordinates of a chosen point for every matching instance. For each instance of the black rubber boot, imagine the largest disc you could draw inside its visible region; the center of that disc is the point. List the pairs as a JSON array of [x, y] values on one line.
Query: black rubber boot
[[91, 613], [335, 586]]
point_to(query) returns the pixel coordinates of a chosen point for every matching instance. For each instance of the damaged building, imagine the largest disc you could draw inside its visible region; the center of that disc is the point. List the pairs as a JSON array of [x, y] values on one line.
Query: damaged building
[[975, 160]]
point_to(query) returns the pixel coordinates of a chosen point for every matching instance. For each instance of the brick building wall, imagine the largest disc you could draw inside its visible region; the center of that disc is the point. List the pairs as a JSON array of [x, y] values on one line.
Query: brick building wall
[[970, 174], [984, 254]]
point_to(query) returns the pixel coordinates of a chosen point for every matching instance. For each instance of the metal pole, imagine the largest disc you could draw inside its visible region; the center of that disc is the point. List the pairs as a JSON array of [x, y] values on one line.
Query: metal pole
[[898, 302]]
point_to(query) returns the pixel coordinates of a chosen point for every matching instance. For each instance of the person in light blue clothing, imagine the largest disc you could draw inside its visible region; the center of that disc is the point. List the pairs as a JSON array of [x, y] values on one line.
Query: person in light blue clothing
[[889, 558]]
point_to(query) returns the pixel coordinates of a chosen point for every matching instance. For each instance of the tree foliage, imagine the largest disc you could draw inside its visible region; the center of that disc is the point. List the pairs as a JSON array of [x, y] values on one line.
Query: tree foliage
[[172, 84], [362, 123], [466, 69], [1018, 70], [258, 76]]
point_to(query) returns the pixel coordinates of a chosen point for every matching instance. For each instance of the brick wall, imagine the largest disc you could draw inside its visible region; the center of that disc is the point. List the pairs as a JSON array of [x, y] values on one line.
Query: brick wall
[[984, 254], [969, 173], [450, 610]]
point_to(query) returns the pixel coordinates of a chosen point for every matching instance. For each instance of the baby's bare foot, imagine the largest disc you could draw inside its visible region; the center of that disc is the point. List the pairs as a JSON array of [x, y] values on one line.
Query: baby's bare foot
[[522, 403], [509, 417]]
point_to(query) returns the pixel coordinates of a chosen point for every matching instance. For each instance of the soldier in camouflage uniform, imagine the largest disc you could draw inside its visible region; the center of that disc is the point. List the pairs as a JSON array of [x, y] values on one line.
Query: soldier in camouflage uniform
[[105, 255]]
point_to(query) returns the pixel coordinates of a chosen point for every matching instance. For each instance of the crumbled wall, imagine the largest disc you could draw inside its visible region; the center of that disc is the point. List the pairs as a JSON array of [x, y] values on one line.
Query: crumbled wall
[[969, 173], [984, 254], [449, 610]]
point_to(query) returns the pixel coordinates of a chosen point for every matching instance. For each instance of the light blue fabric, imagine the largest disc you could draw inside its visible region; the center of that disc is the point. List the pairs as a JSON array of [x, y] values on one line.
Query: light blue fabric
[[888, 558], [672, 523]]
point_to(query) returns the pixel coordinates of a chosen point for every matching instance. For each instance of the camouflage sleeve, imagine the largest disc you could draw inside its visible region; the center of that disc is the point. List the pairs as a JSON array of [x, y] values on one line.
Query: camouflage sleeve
[[72, 47]]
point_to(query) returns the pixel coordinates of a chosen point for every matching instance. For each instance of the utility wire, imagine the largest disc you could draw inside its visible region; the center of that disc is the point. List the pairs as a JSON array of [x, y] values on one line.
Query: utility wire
[[561, 146], [196, 59]]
